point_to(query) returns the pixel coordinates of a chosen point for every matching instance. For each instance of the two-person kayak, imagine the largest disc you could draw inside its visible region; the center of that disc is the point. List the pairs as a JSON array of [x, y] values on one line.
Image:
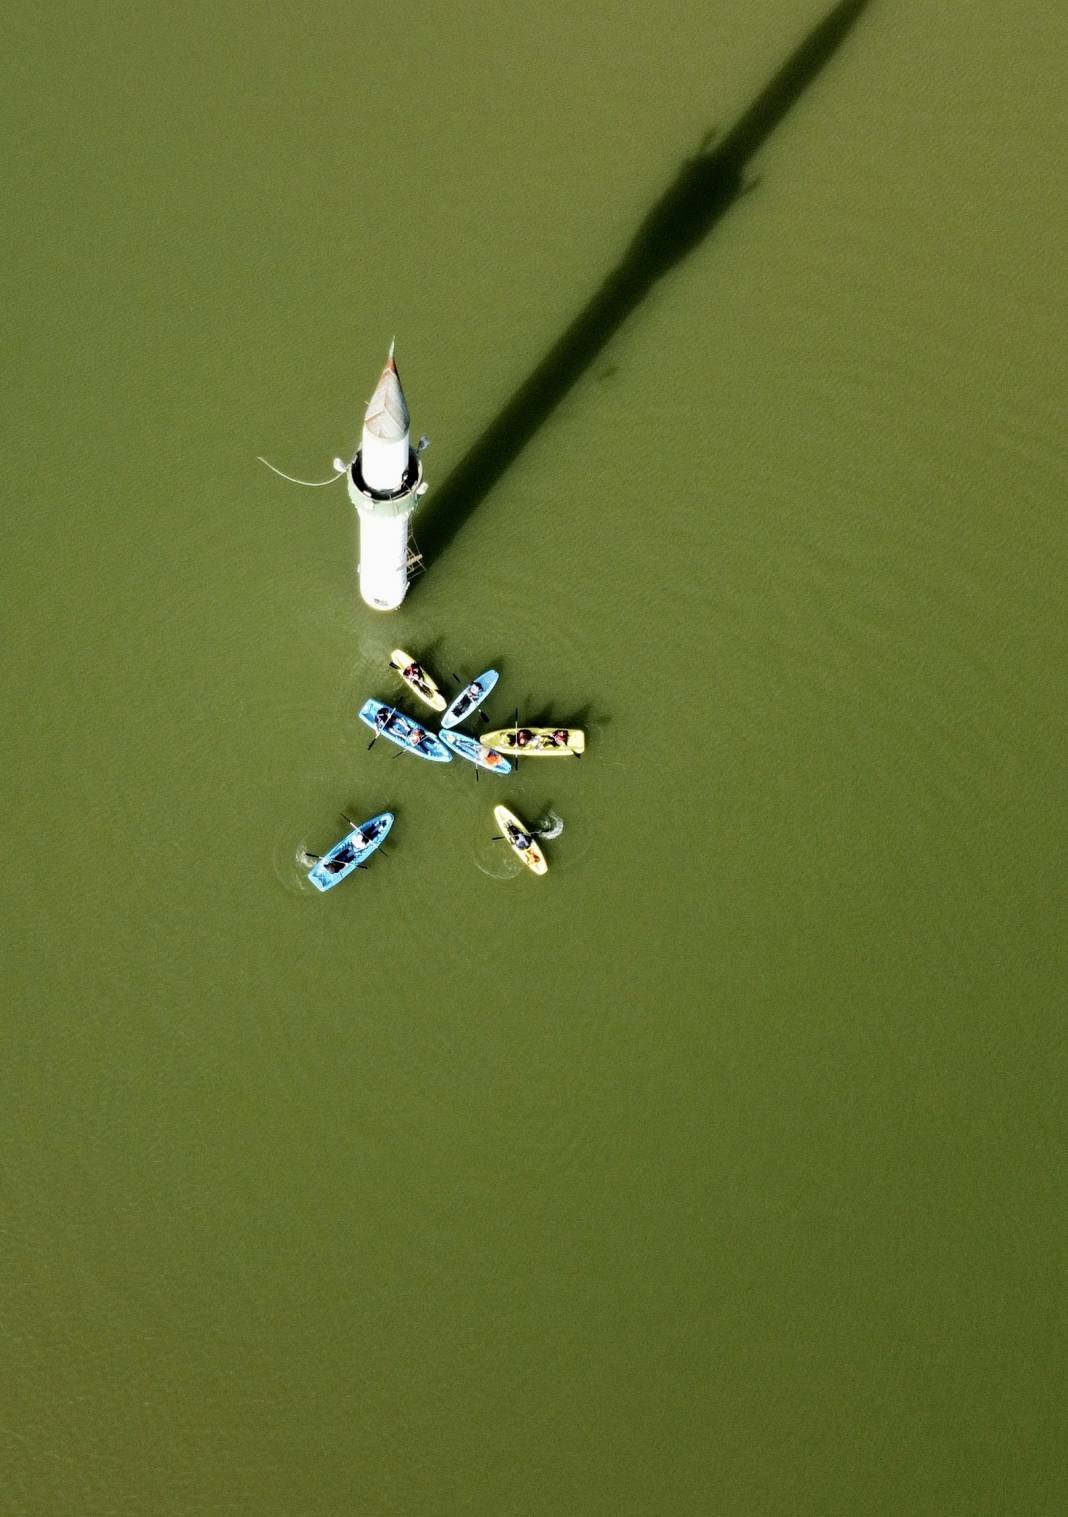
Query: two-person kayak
[[537, 742], [354, 848], [403, 730]]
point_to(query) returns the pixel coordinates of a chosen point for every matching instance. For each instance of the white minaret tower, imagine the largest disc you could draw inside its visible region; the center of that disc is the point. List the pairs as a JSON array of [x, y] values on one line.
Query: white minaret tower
[[385, 481]]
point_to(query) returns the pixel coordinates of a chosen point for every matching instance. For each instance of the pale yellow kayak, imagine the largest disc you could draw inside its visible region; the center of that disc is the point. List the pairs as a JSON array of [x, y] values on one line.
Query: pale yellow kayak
[[520, 840], [537, 742], [417, 679]]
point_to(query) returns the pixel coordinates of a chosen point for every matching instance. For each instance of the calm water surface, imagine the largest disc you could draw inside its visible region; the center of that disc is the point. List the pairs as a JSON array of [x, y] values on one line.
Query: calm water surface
[[717, 1172]]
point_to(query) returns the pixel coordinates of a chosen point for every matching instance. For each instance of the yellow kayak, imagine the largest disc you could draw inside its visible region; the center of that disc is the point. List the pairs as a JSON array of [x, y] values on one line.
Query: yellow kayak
[[537, 742], [417, 679], [520, 840]]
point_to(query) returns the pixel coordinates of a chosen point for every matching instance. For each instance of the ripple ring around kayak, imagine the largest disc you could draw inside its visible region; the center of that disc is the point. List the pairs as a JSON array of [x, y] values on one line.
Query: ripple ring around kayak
[[288, 869]]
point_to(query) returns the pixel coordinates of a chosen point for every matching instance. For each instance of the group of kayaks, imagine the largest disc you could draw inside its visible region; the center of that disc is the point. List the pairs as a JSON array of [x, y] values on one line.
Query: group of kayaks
[[487, 751], [498, 751]]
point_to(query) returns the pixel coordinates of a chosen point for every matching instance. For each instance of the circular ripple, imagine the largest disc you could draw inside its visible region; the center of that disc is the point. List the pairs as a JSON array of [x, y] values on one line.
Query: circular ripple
[[289, 871]]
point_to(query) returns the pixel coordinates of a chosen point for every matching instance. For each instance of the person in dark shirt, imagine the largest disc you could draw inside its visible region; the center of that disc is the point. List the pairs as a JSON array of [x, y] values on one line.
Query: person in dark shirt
[[341, 858]]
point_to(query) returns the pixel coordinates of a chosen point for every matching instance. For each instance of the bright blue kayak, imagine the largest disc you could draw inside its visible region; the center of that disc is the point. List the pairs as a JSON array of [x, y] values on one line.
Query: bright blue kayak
[[470, 748], [404, 730], [470, 698], [350, 853]]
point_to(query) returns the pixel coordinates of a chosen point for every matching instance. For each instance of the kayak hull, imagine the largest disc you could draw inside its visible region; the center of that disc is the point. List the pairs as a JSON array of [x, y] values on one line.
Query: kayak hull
[[470, 698], [419, 682], [371, 835], [405, 731], [537, 742], [470, 748], [532, 856]]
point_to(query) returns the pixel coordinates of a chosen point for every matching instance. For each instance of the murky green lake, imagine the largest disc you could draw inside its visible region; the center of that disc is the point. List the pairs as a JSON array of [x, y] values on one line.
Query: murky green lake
[[719, 1171]]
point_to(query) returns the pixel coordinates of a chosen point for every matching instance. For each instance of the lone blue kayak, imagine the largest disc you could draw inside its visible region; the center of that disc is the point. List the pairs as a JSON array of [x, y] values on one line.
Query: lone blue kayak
[[350, 853], [470, 698], [470, 748], [403, 730]]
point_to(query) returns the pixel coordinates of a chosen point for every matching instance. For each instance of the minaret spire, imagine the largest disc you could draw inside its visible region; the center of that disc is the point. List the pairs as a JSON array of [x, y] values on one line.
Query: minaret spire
[[386, 425]]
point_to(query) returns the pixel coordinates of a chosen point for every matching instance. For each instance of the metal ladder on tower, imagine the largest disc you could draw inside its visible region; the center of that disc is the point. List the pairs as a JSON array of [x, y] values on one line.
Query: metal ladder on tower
[[414, 563]]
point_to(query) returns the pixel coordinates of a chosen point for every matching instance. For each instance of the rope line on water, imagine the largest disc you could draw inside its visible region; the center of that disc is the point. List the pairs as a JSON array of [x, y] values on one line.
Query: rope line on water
[[312, 484]]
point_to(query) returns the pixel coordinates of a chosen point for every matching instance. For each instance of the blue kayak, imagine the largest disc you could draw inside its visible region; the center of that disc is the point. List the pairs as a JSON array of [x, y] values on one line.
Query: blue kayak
[[470, 698], [350, 853], [470, 748], [404, 730]]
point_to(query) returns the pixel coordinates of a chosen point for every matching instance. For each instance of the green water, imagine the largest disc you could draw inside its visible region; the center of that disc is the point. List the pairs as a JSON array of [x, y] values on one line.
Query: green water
[[718, 1172]]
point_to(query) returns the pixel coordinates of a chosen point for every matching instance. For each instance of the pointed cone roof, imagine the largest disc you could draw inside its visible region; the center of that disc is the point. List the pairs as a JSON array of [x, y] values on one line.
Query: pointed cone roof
[[387, 410]]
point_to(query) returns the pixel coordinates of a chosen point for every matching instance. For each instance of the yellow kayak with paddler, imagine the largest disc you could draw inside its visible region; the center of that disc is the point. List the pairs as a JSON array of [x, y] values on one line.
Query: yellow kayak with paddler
[[520, 840], [537, 742], [417, 679]]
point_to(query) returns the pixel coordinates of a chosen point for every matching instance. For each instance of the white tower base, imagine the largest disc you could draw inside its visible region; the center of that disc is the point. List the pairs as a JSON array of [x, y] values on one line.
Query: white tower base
[[383, 560], [384, 519]]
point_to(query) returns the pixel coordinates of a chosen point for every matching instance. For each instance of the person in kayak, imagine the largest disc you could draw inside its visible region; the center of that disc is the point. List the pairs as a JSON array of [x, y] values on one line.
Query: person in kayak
[[560, 737], [340, 859], [523, 736], [520, 839]]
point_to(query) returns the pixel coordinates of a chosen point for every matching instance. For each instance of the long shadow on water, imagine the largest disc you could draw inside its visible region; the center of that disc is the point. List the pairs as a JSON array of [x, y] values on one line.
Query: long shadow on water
[[705, 189]]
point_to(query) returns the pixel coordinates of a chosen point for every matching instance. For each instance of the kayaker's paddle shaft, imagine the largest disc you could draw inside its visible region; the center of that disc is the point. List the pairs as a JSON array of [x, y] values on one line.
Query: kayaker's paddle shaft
[[385, 483]]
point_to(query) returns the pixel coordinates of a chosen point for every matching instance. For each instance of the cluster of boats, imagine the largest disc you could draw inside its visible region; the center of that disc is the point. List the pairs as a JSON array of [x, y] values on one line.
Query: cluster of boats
[[498, 752]]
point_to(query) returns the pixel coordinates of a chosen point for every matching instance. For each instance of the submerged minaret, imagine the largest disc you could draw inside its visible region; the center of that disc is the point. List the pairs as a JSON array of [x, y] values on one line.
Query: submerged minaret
[[385, 481]]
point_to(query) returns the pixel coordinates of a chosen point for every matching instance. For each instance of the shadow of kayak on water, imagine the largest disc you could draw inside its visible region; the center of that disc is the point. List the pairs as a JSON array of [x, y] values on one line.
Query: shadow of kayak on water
[[704, 190]]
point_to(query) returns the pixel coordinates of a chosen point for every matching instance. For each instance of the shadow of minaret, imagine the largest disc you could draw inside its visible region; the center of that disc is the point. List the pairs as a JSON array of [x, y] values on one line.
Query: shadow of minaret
[[705, 189]]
